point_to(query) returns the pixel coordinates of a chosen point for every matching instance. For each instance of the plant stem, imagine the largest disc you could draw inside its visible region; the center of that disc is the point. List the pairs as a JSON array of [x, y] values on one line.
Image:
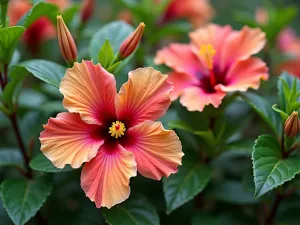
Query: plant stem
[[14, 122], [271, 217]]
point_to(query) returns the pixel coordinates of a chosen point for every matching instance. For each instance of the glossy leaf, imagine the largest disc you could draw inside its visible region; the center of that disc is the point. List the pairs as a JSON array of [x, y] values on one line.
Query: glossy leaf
[[47, 71], [270, 169], [116, 32], [134, 211], [9, 38], [38, 10], [183, 186], [10, 157], [106, 54], [41, 163], [264, 110], [23, 198]]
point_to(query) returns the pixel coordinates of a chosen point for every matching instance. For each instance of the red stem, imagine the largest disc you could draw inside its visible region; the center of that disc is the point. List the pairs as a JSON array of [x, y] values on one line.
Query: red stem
[[14, 122]]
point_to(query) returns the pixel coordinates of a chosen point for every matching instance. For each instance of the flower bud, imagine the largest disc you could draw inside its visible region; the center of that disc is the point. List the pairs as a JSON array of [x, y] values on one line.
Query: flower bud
[[66, 42], [292, 125], [131, 42], [87, 10]]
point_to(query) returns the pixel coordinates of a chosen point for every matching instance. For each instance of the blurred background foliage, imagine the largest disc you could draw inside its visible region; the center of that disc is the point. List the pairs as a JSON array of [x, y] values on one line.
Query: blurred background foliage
[[228, 200]]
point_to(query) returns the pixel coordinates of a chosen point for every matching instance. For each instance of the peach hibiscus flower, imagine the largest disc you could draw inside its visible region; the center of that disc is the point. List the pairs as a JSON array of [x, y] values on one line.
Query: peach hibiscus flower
[[115, 134], [40, 30], [198, 12], [217, 61]]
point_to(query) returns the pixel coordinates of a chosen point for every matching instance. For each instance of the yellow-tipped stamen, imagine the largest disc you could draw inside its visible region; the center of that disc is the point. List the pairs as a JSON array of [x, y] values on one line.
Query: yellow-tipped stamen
[[117, 129], [207, 53]]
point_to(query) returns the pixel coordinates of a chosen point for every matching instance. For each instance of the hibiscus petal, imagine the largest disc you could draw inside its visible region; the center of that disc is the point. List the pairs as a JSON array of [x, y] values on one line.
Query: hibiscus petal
[[180, 58], [105, 179], [195, 98], [157, 151], [145, 96], [242, 44], [180, 81], [245, 74], [89, 90], [69, 140]]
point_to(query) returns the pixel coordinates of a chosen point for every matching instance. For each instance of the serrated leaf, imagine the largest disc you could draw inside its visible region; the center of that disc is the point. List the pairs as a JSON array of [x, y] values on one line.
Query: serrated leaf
[[41, 163], [10, 157], [116, 32], [45, 70], [264, 110], [9, 38], [106, 54], [270, 169], [134, 211], [23, 198], [38, 10], [183, 186]]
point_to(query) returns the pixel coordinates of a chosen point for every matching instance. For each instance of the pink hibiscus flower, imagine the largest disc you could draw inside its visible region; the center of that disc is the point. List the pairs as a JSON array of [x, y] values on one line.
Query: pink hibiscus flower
[[115, 134], [217, 61]]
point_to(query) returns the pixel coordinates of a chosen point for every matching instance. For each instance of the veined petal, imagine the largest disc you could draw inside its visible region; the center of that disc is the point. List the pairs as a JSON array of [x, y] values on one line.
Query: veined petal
[[69, 140], [242, 44], [145, 96], [195, 98], [157, 151], [181, 81], [89, 90], [105, 179], [245, 74], [180, 58]]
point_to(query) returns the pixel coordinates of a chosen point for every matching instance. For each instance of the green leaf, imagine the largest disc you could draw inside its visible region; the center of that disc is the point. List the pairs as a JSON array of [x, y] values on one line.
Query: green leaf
[[70, 13], [45, 70], [38, 10], [41, 163], [205, 219], [264, 110], [183, 186], [134, 211], [232, 192], [284, 87], [23, 198], [114, 67], [10, 158], [116, 32], [106, 54], [269, 168], [9, 38], [10, 89]]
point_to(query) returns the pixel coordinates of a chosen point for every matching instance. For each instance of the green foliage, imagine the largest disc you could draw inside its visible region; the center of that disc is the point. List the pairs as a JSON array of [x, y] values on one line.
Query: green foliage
[[41, 163], [264, 109], [47, 71], [10, 157], [116, 32], [23, 198], [9, 38], [38, 10], [183, 186], [136, 210], [106, 55], [270, 168]]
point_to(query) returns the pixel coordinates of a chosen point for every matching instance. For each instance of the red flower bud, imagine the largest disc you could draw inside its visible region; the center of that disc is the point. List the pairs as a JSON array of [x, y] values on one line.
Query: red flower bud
[[131, 42], [66, 42], [292, 125], [87, 10]]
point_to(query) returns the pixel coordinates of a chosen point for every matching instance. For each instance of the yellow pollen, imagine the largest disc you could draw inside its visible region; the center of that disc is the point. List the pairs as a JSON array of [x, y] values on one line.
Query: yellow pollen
[[117, 129], [207, 52]]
